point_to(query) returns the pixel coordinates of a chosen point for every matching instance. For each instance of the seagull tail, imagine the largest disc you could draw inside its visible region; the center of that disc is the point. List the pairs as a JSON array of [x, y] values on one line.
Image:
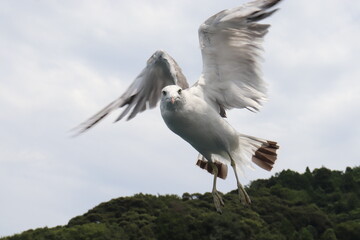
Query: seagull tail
[[263, 152], [222, 168]]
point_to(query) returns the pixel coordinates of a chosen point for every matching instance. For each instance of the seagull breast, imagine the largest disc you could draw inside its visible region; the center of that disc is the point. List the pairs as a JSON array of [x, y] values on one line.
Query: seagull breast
[[194, 120]]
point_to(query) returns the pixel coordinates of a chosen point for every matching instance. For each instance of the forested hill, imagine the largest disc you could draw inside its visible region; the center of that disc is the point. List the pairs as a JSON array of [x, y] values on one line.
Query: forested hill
[[321, 204]]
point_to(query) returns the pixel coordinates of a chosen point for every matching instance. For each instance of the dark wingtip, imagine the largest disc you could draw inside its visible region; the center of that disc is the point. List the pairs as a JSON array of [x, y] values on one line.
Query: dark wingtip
[[271, 3], [263, 13], [85, 126], [222, 111]]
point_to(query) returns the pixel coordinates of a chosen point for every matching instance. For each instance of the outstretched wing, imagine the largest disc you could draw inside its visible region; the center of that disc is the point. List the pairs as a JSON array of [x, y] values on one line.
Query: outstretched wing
[[230, 44], [145, 91]]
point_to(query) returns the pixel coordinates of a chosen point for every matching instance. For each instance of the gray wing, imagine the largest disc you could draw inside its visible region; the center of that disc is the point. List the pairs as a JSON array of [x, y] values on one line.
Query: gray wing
[[145, 91], [230, 44]]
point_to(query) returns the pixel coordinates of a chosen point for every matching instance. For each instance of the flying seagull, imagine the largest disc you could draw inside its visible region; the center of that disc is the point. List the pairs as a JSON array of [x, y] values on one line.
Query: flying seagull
[[230, 43]]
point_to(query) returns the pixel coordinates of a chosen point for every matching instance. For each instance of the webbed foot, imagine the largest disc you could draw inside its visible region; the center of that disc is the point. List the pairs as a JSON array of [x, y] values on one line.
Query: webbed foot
[[218, 201], [244, 197]]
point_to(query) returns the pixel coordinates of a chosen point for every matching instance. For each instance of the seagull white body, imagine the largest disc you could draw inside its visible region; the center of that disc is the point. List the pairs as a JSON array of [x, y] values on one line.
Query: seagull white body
[[193, 119], [230, 43]]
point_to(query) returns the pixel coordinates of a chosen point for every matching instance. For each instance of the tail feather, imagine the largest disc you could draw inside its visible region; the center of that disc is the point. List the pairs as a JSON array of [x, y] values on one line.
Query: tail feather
[[265, 156], [268, 150], [259, 151], [222, 168]]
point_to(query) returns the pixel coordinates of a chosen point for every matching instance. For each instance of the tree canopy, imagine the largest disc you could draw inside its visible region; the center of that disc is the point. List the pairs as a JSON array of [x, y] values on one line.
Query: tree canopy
[[321, 204]]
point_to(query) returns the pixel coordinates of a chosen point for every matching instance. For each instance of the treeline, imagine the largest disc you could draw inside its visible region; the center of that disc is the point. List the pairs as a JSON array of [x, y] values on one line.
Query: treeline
[[321, 204]]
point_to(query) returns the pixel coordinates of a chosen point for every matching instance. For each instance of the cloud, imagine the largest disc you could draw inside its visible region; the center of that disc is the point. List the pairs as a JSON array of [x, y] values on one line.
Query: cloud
[[63, 61]]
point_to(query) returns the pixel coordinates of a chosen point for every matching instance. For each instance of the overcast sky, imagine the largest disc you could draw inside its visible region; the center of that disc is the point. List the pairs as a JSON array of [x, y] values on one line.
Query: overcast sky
[[61, 61]]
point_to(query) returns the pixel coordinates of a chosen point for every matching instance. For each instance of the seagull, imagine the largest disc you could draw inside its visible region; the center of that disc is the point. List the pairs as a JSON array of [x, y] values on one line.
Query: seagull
[[230, 43]]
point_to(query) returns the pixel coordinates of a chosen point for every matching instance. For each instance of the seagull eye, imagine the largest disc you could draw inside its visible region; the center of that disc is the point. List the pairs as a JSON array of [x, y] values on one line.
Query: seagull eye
[[179, 91], [163, 93]]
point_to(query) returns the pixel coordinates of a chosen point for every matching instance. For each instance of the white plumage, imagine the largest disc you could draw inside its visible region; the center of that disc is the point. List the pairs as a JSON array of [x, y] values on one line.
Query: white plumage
[[230, 43]]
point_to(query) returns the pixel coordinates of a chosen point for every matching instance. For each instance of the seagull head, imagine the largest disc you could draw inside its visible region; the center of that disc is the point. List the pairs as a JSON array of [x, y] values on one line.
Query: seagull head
[[172, 96]]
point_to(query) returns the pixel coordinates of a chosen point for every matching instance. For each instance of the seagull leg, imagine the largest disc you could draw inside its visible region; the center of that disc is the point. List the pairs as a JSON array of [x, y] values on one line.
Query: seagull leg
[[244, 197], [218, 202]]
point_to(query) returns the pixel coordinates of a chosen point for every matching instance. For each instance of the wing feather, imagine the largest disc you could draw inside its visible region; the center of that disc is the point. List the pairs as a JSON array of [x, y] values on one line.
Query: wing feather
[[145, 91], [230, 43]]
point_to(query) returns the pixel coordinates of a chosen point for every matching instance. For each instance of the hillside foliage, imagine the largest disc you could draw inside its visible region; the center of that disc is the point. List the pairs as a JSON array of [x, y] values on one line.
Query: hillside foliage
[[321, 204]]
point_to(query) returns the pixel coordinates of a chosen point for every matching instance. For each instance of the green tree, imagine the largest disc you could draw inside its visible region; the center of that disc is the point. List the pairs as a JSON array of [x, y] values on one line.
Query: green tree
[[321, 204]]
